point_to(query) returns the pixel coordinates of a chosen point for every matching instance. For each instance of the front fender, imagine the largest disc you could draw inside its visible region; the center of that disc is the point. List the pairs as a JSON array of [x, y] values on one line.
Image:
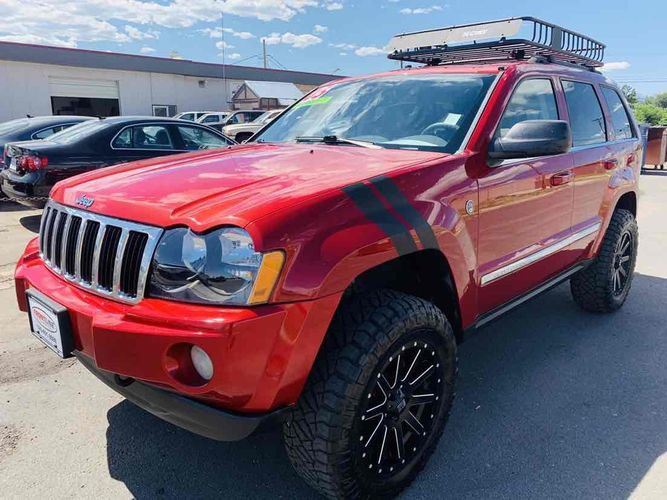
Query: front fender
[[333, 239]]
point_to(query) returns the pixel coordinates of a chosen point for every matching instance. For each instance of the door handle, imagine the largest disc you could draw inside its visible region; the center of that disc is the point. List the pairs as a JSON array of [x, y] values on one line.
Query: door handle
[[561, 178], [610, 163]]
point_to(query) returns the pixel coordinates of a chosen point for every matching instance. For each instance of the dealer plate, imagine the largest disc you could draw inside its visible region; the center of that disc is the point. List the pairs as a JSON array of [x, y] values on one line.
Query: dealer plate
[[49, 322]]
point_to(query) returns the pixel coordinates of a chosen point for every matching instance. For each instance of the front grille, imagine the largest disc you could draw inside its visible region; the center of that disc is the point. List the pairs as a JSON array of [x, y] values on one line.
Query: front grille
[[104, 255]]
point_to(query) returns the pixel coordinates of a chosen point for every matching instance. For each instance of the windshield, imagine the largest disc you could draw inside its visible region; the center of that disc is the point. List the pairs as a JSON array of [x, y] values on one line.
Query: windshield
[[76, 132], [418, 112]]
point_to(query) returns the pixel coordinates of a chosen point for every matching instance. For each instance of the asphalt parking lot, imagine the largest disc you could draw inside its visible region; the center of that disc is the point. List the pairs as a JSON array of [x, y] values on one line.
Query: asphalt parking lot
[[552, 402]]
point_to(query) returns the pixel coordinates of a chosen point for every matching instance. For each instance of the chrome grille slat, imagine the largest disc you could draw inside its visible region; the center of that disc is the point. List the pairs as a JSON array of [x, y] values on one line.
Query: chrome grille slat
[[48, 233], [63, 244], [52, 236], [79, 246], [96, 253], [118, 263], [121, 249], [42, 225]]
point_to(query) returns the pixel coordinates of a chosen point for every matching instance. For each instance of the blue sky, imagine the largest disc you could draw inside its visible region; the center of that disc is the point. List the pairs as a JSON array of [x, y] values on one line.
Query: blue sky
[[346, 36]]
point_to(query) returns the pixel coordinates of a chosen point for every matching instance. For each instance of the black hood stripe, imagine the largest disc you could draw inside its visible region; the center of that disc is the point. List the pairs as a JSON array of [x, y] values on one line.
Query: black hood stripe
[[375, 211], [401, 204]]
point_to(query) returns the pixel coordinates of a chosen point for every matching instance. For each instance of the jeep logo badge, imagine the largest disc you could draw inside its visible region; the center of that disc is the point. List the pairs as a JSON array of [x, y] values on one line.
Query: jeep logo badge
[[84, 201]]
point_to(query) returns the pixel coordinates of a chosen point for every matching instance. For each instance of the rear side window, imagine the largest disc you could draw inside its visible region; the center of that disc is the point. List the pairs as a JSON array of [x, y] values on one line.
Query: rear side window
[[620, 119], [211, 119], [586, 117], [532, 100]]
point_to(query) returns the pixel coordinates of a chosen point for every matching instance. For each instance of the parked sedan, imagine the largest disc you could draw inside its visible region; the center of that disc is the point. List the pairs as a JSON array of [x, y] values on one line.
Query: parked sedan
[[35, 166], [35, 127]]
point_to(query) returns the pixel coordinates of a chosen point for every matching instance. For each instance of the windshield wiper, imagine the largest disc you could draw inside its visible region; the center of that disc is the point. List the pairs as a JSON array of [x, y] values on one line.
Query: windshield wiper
[[332, 139]]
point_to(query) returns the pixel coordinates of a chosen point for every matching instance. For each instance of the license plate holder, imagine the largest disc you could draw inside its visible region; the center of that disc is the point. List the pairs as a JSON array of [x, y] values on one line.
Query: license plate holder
[[49, 322]]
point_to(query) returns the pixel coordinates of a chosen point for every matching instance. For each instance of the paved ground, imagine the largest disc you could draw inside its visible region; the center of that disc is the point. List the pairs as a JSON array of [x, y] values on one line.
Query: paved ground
[[552, 403]]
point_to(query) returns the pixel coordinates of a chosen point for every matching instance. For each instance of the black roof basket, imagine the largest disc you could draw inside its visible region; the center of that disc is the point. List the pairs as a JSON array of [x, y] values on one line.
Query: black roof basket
[[494, 41]]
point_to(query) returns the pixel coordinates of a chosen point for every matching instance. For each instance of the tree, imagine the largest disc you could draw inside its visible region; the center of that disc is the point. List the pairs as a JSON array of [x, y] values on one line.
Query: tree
[[649, 113], [659, 100], [630, 94]]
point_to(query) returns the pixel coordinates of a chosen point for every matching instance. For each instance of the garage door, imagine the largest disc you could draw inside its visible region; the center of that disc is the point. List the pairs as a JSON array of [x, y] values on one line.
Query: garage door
[[74, 96]]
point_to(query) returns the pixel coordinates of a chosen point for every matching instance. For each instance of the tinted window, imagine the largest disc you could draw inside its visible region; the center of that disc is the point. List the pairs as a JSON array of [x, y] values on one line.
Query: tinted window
[[78, 132], [197, 138], [586, 117], [210, 119], [187, 116], [619, 115], [144, 137], [532, 100], [43, 134], [402, 111]]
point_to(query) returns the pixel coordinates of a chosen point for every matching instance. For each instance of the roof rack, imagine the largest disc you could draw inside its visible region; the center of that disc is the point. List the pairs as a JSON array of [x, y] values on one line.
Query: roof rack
[[497, 41]]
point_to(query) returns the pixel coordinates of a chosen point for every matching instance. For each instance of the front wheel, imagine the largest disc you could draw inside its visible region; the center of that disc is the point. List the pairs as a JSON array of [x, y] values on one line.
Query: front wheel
[[377, 399], [604, 285]]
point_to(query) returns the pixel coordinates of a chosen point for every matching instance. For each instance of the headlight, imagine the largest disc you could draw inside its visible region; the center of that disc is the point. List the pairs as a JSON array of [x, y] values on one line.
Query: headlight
[[220, 267]]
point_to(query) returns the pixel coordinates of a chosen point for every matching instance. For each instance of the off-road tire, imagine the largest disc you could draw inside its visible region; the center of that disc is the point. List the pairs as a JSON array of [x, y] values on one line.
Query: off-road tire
[[593, 287], [321, 432]]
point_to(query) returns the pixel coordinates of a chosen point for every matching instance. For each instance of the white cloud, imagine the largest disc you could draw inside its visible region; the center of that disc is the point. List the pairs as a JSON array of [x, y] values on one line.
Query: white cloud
[[217, 33], [223, 45], [137, 34], [370, 51], [333, 5], [56, 22], [318, 28], [421, 10], [344, 46], [233, 56], [296, 41], [615, 66], [146, 50]]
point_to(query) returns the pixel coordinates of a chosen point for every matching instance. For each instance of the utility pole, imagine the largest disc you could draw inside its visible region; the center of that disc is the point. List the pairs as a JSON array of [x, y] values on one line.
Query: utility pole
[[264, 52], [224, 66]]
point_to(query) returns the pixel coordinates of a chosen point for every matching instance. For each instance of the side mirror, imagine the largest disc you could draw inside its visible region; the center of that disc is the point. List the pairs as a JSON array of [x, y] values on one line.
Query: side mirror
[[532, 138]]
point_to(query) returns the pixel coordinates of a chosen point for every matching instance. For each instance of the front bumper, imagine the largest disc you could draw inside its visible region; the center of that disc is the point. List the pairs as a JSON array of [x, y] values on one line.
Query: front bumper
[[183, 412], [261, 355]]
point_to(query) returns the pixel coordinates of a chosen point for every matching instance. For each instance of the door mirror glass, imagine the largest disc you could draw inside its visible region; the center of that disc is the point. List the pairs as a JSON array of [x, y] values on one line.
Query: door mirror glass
[[531, 138]]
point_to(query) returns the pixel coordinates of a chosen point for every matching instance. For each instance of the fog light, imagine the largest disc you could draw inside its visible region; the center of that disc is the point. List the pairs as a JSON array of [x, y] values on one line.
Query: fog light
[[202, 362]]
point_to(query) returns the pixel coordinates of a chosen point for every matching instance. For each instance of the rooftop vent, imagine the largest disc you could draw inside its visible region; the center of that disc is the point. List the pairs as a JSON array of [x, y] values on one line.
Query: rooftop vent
[[515, 38]]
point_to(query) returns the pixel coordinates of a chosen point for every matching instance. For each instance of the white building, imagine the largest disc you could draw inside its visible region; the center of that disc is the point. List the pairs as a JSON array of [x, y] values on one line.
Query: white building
[[41, 80]]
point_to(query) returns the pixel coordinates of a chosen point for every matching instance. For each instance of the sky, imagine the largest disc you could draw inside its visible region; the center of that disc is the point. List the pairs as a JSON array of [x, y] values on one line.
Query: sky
[[345, 37]]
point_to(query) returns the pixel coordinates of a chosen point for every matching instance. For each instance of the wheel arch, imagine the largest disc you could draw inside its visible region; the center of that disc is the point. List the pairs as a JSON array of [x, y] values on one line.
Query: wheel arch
[[426, 274], [627, 201]]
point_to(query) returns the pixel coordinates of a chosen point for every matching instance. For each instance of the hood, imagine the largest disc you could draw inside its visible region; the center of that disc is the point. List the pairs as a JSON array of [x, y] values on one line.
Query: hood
[[232, 186]]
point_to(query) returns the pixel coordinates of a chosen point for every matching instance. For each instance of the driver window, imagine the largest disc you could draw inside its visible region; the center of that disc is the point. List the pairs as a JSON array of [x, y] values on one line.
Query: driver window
[[532, 100], [195, 138]]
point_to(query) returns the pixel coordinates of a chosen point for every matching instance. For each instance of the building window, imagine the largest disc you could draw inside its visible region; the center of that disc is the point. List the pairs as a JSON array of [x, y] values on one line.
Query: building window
[[164, 110], [85, 106], [268, 103]]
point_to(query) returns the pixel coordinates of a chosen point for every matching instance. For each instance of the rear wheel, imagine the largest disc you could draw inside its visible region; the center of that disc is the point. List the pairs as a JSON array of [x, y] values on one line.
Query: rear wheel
[[604, 285], [377, 399]]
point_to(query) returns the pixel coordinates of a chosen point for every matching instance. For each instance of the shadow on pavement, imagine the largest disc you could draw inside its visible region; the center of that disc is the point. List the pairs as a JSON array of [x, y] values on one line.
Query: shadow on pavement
[[31, 222], [552, 402], [7, 205]]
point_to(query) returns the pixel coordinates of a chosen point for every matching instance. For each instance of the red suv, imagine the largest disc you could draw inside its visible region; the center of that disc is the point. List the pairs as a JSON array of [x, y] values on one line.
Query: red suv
[[324, 275]]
